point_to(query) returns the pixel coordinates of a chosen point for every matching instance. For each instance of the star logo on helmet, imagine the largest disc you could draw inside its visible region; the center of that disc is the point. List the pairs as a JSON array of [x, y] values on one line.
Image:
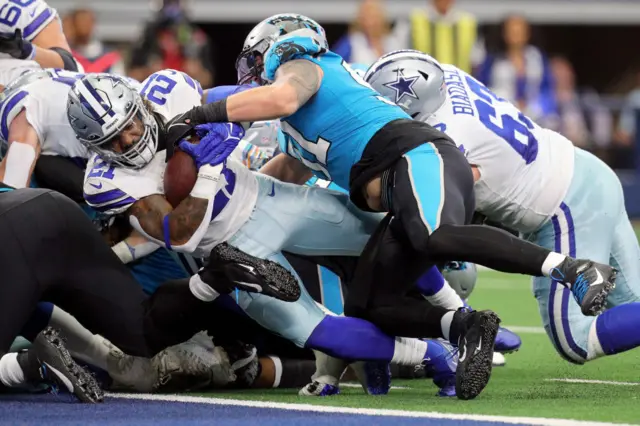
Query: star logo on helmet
[[403, 85]]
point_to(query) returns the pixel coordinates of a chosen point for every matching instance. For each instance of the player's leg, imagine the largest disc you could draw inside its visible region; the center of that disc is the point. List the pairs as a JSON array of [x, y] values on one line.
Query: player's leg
[[304, 323], [99, 291], [27, 229], [589, 224], [433, 197]]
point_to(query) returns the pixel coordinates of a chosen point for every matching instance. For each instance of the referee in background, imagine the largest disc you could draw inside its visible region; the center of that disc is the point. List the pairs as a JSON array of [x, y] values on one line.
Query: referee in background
[[444, 32]]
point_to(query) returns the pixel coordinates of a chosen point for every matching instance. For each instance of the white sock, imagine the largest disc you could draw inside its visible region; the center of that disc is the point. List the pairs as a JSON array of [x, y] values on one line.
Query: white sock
[[277, 364], [446, 298], [594, 348], [82, 343], [551, 262], [445, 324], [409, 351], [10, 372], [328, 368], [202, 290]]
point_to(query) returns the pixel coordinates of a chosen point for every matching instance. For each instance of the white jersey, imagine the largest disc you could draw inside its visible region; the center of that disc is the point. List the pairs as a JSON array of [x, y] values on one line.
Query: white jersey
[[45, 104], [113, 190], [30, 16], [525, 170]]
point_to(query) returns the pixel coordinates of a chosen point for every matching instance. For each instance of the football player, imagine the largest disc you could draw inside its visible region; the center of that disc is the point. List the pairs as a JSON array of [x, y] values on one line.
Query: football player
[[532, 180], [228, 203], [34, 124], [343, 130], [31, 37]]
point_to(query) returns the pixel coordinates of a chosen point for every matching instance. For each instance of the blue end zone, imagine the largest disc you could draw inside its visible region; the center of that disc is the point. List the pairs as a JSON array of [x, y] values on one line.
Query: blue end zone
[[62, 409]]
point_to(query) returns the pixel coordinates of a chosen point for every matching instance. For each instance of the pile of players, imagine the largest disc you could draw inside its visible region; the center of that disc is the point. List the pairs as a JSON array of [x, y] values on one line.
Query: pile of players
[[417, 149]]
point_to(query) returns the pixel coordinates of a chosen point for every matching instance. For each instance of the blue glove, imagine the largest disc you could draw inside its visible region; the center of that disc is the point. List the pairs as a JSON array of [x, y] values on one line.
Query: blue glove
[[288, 50], [217, 142]]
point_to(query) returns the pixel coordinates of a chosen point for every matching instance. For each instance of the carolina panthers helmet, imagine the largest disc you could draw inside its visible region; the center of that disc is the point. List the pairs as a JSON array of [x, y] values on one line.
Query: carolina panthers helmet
[[461, 276], [250, 62], [411, 79], [100, 107], [25, 78]]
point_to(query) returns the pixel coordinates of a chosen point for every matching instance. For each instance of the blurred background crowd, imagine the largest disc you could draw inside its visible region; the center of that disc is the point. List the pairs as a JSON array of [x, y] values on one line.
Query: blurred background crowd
[[579, 78]]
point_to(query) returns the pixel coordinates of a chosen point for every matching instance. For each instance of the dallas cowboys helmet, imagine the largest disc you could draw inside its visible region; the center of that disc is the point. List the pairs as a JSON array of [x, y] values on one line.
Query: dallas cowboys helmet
[[250, 62], [100, 107], [461, 276], [411, 79]]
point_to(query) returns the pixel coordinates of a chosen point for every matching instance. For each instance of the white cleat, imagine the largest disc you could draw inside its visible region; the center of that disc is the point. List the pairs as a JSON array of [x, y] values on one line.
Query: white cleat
[[499, 360]]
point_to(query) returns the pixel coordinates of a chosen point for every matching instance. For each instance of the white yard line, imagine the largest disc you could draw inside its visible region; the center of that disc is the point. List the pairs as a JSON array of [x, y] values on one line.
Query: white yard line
[[362, 411], [525, 329], [594, 382]]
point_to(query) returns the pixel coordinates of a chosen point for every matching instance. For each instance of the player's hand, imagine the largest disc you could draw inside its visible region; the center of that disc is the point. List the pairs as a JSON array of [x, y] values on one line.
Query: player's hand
[[288, 50], [217, 142], [13, 44]]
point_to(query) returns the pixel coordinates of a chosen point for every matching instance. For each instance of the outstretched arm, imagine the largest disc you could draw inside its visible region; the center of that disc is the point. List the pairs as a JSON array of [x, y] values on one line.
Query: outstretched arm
[[296, 82]]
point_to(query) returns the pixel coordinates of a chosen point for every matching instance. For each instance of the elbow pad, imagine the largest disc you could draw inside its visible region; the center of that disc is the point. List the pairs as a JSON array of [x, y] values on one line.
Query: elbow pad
[[69, 63]]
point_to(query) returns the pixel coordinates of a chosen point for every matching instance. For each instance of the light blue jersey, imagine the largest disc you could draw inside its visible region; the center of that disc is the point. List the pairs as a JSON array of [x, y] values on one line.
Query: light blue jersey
[[330, 132]]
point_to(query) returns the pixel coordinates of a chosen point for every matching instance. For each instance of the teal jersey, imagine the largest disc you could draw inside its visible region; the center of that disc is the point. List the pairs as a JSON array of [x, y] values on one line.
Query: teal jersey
[[330, 132]]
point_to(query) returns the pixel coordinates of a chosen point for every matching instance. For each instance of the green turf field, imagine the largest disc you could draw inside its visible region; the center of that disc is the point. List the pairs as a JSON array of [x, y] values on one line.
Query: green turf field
[[525, 387]]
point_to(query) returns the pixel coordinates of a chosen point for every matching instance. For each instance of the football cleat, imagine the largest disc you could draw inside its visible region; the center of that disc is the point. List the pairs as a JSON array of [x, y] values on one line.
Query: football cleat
[[475, 348], [244, 363], [249, 273], [590, 282], [319, 388], [498, 360], [442, 367], [375, 377], [50, 362], [193, 365], [507, 341]]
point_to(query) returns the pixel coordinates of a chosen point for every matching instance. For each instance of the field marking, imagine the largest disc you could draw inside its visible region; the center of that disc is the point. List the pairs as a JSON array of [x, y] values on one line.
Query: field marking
[[525, 330], [356, 385], [594, 382], [363, 411]]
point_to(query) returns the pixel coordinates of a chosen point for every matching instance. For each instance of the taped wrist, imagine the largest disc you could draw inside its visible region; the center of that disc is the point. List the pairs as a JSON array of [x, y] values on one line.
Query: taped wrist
[[124, 252], [215, 112]]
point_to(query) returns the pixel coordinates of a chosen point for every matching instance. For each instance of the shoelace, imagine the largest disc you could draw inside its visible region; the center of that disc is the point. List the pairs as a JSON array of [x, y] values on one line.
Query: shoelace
[[556, 278], [580, 287]]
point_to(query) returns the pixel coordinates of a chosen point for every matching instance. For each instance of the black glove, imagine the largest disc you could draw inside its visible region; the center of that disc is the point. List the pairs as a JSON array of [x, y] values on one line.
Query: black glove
[[14, 45], [176, 130]]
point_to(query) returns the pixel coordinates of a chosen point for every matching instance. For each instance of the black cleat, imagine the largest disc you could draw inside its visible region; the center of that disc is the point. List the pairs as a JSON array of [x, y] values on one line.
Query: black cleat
[[250, 273], [475, 346], [49, 361], [244, 362], [590, 282]]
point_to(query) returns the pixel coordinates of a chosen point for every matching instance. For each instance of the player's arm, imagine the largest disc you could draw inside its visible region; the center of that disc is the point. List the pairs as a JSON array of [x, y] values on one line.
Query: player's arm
[[287, 169], [180, 229], [134, 247], [24, 148], [51, 49], [296, 82]]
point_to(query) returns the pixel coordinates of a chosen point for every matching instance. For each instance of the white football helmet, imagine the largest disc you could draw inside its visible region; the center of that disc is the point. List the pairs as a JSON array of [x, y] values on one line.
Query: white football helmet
[[100, 106], [250, 62], [411, 79]]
